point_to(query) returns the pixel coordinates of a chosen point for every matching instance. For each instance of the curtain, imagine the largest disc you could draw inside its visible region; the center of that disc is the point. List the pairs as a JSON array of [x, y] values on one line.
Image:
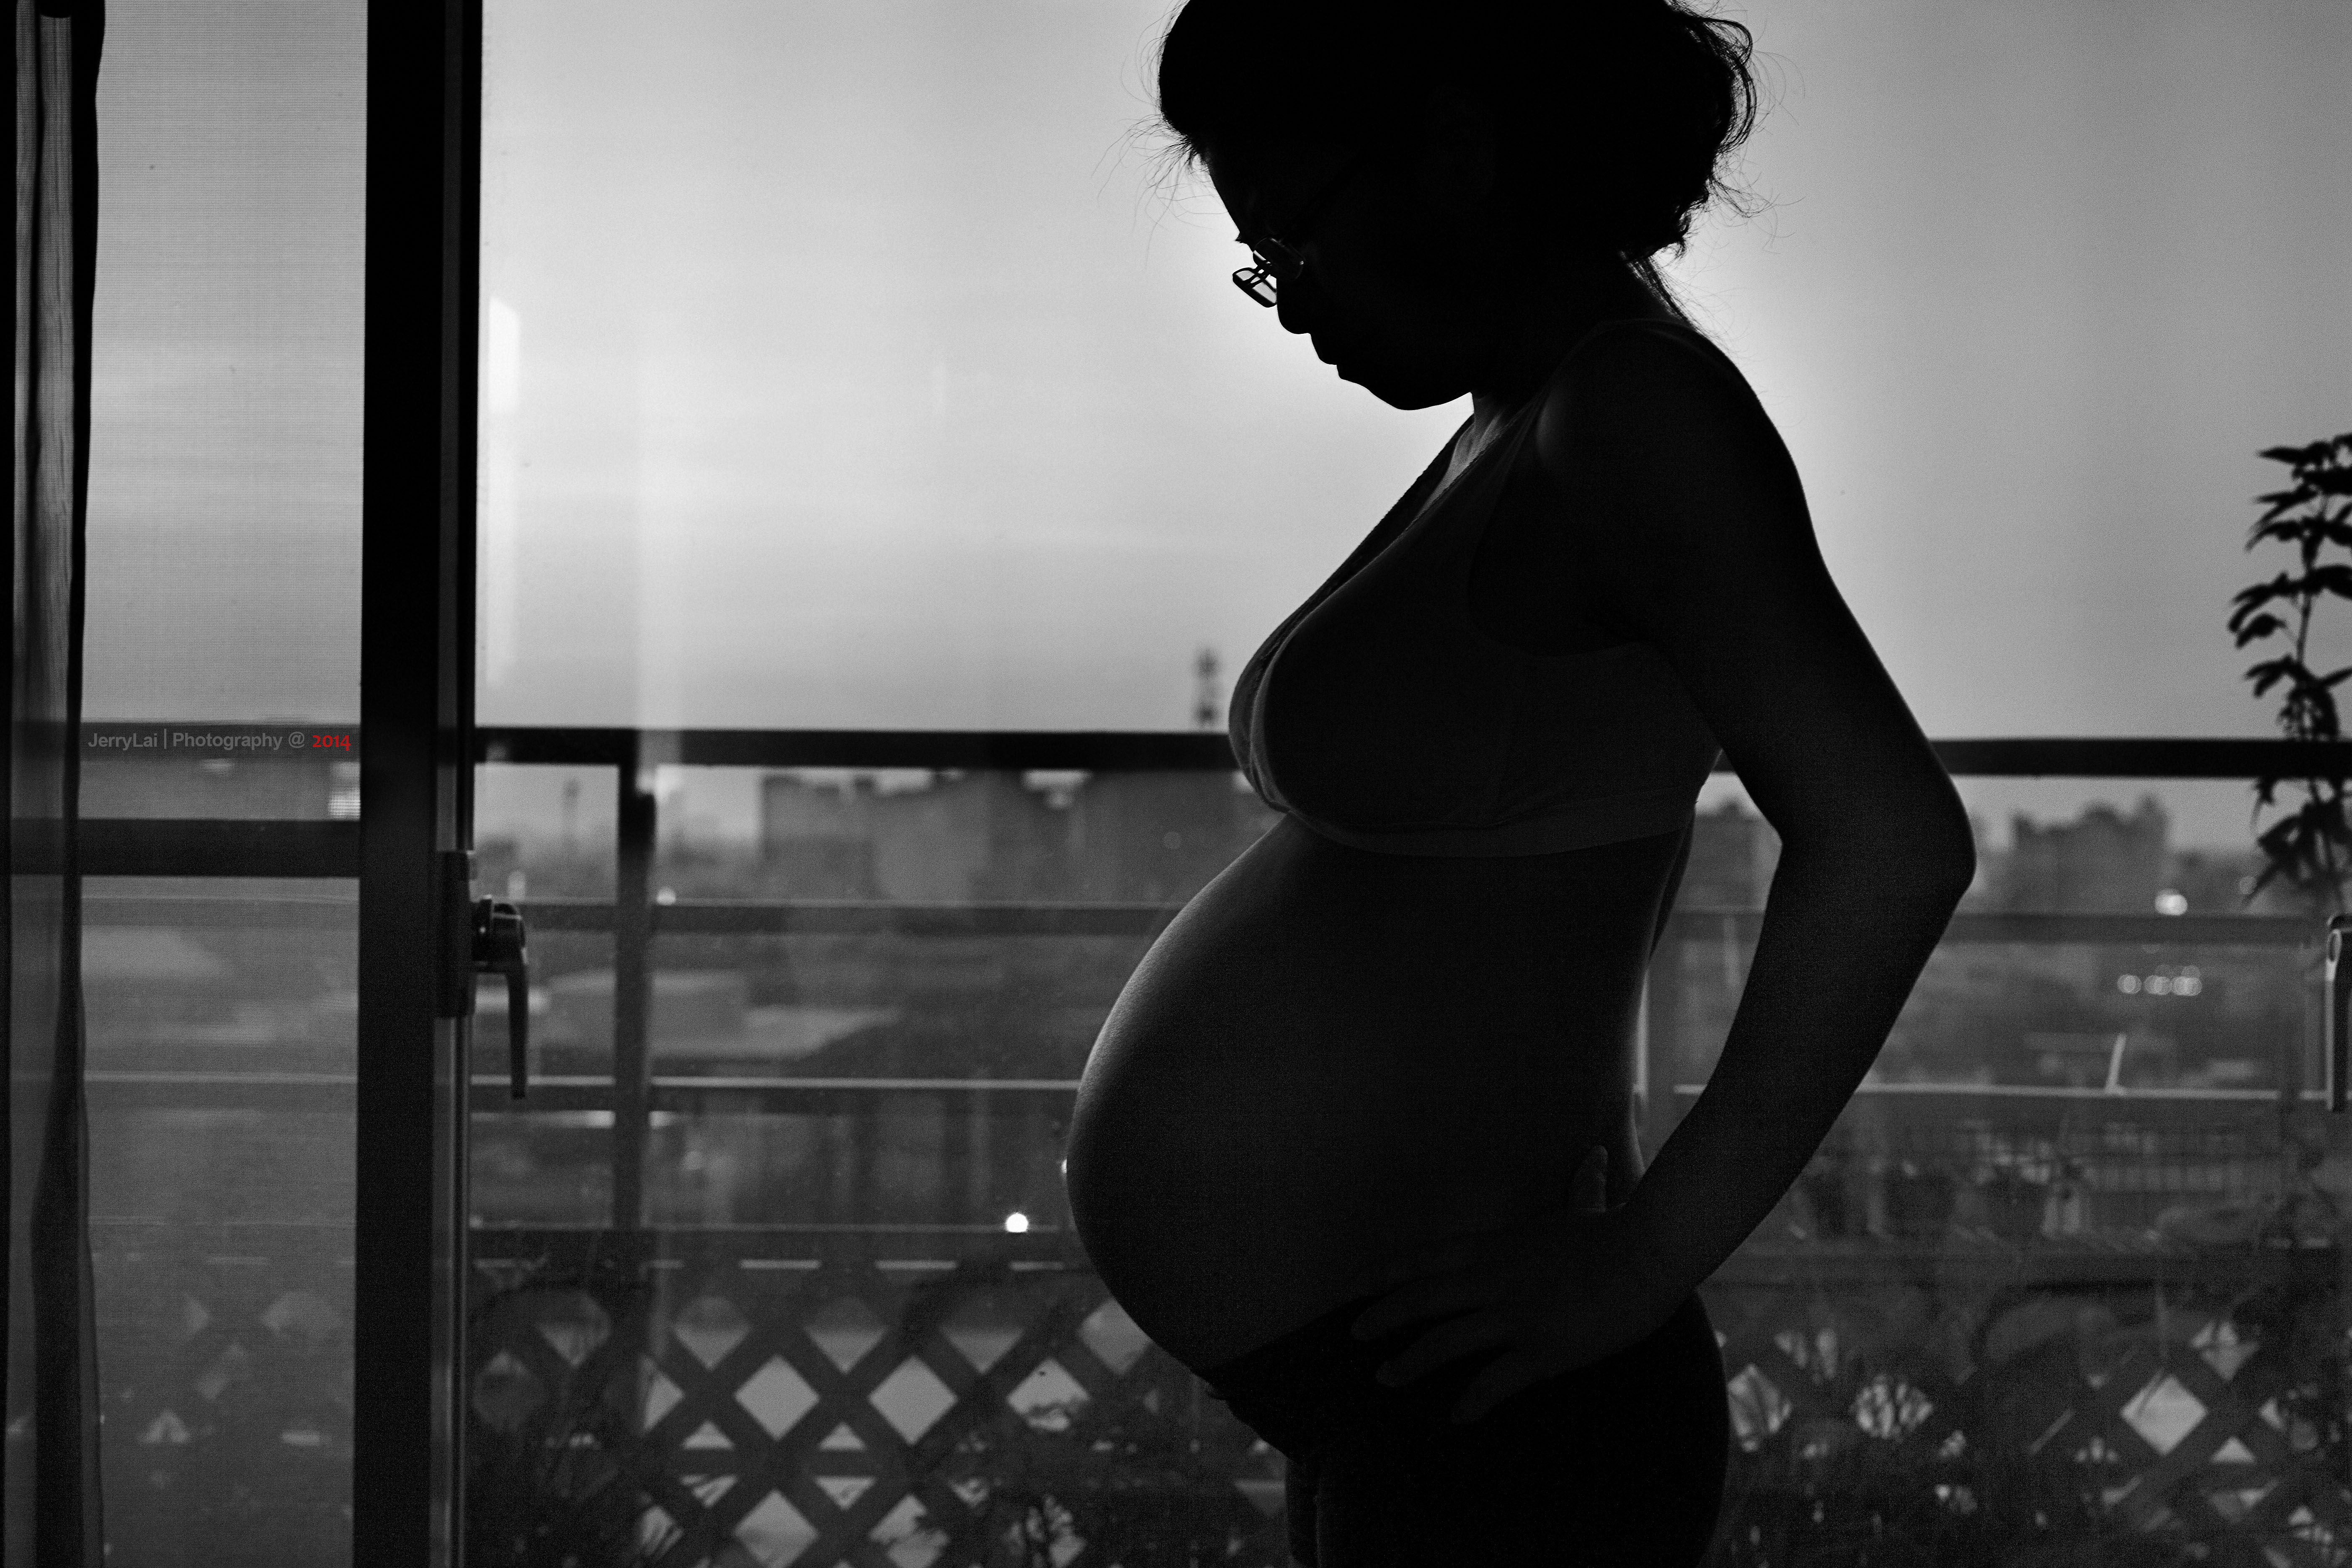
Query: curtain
[[52, 1504]]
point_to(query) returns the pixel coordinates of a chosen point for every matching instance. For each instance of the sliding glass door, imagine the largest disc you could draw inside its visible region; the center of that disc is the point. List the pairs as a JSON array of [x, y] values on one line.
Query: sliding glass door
[[277, 930], [221, 761]]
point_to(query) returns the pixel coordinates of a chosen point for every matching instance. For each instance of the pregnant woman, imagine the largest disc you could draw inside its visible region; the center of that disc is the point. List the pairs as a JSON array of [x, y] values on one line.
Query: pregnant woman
[[1357, 1142]]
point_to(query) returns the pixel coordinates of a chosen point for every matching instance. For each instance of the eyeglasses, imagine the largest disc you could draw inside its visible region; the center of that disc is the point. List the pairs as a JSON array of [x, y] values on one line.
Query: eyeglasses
[[1278, 262]]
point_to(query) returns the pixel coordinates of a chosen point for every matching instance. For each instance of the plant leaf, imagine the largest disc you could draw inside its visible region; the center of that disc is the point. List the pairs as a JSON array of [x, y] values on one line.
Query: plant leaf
[[2269, 672], [2262, 625], [2315, 453], [2278, 587], [2284, 501]]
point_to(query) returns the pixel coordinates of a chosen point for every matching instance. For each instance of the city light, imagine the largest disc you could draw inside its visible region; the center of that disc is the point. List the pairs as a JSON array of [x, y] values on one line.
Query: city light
[[1016, 1222], [2187, 983], [2170, 903]]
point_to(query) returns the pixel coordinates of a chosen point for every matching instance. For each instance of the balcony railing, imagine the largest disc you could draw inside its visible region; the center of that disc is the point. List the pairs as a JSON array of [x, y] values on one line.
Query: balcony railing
[[856, 1387]]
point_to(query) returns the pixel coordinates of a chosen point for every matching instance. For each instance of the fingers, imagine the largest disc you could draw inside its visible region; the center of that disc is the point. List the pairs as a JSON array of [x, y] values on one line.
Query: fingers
[[1437, 1296], [1589, 1191], [1457, 1252], [1447, 1342], [1505, 1375]]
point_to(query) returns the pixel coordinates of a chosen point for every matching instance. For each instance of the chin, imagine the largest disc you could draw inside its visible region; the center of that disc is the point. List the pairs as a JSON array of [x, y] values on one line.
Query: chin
[[1406, 381], [1399, 391]]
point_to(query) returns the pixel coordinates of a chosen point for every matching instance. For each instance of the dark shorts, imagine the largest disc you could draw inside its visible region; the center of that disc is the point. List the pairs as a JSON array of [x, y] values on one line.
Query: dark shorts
[[1615, 1464]]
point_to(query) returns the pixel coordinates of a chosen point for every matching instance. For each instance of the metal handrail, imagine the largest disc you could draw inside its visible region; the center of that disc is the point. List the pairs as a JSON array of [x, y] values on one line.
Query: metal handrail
[[331, 849], [113, 1089], [881, 917], [635, 1093], [1112, 751]]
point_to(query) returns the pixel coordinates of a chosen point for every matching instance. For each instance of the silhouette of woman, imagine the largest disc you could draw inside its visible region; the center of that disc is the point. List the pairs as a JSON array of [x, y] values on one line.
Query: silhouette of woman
[[1357, 1142]]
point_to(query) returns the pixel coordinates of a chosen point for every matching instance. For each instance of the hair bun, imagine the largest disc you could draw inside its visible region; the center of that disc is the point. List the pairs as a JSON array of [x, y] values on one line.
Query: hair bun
[[1618, 115]]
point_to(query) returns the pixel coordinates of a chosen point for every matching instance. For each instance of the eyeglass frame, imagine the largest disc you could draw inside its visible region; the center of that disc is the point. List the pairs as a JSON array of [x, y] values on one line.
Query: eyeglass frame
[[1287, 257]]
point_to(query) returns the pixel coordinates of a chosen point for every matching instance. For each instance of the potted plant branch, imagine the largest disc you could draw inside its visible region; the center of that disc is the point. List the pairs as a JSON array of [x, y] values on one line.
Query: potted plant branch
[[1140, 1483], [544, 1485], [2309, 849]]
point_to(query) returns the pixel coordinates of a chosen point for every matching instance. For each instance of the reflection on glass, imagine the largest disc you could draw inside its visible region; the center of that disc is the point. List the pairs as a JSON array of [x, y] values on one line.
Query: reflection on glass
[[540, 1168], [221, 1026], [544, 832]]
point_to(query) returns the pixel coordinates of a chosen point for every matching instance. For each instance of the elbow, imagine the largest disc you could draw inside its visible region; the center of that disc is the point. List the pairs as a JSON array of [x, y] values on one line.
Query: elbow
[[1954, 869], [1921, 877], [1953, 854], [1940, 847], [1939, 863]]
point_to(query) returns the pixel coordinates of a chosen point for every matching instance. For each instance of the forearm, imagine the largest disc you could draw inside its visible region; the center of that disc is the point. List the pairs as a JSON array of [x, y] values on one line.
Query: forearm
[[1841, 943]]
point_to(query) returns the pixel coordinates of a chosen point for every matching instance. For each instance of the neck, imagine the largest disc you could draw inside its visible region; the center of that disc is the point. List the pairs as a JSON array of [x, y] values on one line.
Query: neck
[[1536, 334]]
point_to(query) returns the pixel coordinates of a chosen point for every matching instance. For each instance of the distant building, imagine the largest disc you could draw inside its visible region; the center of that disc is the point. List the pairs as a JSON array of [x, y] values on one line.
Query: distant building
[[853, 841], [1732, 854], [2103, 861], [1146, 838], [1159, 837]]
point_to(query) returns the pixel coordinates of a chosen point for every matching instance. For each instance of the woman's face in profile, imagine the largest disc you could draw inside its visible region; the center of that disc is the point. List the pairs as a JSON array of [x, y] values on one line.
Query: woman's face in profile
[[1384, 296]]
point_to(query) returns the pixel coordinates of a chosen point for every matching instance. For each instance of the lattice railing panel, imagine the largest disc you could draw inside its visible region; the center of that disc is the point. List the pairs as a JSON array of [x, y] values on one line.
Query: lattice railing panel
[[225, 1371], [2198, 1419], [848, 1412], [841, 1410]]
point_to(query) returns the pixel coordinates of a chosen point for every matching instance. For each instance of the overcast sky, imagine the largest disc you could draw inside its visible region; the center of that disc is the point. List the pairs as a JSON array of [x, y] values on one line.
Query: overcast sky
[[861, 379], [845, 367]]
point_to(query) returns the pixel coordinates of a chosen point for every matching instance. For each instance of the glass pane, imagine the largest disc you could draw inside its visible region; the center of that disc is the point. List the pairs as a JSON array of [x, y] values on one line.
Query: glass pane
[[848, 368], [870, 995], [223, 1016], [544, 833], [222, 681], [2093, 1149], [841, 368], [2027, 424], [225, 478], [833, 361]]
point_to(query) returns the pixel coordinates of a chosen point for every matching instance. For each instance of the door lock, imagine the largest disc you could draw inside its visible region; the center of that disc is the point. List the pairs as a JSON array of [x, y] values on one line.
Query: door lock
[[477, 937], [499, 948]]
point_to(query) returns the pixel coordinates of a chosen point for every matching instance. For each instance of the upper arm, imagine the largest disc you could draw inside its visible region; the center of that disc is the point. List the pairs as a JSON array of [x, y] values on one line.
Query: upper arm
[[1690, 507]]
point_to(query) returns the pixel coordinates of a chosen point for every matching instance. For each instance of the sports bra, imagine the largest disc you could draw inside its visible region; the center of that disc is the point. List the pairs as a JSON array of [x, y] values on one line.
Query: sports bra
[[1379, 714]]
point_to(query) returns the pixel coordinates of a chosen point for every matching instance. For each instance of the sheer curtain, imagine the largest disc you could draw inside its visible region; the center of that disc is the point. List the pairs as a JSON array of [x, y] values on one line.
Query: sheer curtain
[[51, 1502]]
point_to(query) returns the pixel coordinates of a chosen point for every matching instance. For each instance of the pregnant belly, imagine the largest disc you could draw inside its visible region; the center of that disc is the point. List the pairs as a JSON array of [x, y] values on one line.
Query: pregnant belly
[[1330, 1055]]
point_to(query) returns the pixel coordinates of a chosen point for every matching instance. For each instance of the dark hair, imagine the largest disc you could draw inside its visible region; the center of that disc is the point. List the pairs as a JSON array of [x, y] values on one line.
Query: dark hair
[[1617, 115]]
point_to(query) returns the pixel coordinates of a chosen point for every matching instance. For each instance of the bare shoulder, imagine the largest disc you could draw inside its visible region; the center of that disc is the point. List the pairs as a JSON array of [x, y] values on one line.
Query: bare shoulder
[[1652, 378], [1659, 447], [1689, 503]]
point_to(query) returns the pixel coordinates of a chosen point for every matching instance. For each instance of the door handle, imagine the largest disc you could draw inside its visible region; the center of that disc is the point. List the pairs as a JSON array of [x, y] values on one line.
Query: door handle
[[2339, 1012], [501, 947]]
